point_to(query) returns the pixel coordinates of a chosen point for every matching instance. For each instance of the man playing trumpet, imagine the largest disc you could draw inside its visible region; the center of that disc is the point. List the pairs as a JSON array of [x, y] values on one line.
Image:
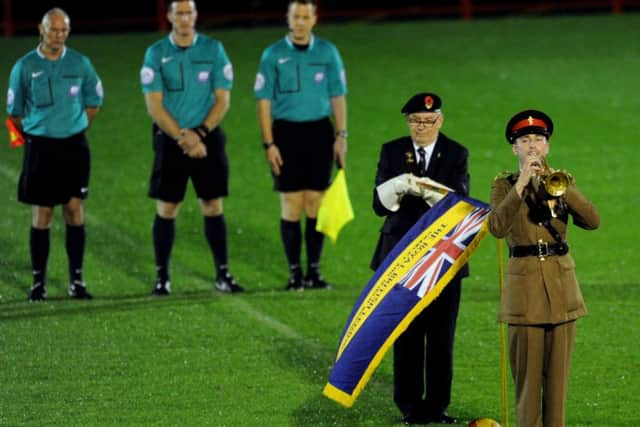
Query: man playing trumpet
[[542, 298]]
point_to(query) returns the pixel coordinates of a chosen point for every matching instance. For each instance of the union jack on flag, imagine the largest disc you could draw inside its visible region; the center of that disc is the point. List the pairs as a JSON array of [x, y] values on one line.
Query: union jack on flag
[[412, 275], [431, 267]]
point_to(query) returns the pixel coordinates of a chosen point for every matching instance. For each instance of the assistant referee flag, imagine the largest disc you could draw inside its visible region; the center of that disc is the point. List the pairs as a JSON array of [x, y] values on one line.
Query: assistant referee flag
[[335, 209], [15, 136], [413, 274]]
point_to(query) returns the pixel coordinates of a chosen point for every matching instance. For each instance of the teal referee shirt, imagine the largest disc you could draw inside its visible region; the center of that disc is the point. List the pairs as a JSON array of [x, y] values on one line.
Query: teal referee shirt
[[187, 77], [51, 96], [300, 83]]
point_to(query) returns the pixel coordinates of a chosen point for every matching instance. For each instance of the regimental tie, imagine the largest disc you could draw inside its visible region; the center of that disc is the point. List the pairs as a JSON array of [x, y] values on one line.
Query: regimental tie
[[422, 162]]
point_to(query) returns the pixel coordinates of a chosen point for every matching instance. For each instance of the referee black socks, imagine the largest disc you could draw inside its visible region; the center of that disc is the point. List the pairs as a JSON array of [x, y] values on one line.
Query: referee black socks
[[75, 240], [163, 236], [39, 242], [215, 230], [291, 235], [314, 241]]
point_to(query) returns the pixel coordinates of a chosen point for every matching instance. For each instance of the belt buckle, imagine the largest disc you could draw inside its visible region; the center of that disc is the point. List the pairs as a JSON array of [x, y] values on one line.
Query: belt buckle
[[543, 249]]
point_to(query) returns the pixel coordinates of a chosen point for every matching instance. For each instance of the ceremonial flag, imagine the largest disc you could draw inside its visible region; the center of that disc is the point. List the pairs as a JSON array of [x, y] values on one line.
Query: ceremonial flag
[[15, 137], [335, 209], [413, 274]]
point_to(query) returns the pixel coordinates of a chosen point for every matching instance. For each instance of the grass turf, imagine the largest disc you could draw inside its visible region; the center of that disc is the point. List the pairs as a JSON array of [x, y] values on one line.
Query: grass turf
[[262, 358]]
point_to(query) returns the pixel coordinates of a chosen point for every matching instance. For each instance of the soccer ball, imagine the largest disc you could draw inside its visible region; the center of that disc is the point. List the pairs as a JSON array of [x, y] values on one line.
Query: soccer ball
[[483, 422]]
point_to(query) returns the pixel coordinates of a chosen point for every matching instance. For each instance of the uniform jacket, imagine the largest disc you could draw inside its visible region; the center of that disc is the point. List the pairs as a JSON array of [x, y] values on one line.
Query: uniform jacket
[[538, 291], [448, 166]]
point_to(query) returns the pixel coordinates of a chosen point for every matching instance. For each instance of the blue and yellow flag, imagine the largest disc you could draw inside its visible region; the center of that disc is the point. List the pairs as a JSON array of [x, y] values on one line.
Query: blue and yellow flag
[[413, 274], [335, 210]]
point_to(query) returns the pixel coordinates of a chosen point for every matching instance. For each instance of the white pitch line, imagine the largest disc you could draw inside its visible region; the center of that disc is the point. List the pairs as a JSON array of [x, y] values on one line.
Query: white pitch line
[[274, 324]]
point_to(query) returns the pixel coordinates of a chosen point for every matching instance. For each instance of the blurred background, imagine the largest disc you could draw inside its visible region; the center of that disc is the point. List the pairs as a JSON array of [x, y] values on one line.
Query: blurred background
[[20, 17]]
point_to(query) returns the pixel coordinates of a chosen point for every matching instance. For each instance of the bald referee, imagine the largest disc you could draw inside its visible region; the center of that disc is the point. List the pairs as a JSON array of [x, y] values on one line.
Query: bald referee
[[300, 84], [54, 94], [186, 80]]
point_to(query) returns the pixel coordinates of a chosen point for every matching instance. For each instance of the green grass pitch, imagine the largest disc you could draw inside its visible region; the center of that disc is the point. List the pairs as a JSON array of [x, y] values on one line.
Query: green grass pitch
[[261, 359]]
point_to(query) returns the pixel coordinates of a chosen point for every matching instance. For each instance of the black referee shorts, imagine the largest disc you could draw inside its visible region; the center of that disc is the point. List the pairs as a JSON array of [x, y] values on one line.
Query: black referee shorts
[[54, 170], [172, 168], [307, 154]]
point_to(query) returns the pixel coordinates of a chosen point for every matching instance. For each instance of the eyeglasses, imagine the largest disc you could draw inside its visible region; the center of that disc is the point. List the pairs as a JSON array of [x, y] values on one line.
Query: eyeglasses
[[417, 122]]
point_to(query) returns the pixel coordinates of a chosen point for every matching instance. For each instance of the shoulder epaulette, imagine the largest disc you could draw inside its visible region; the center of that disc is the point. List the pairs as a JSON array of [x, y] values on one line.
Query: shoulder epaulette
[[504, 175]]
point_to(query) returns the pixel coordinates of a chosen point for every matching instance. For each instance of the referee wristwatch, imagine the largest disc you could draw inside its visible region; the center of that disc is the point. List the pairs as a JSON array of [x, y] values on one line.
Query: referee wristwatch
[[267, 145], [342, 134]]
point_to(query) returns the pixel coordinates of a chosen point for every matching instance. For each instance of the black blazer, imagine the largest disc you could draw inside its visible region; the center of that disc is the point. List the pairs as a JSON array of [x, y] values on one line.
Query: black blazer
[[448, 166]]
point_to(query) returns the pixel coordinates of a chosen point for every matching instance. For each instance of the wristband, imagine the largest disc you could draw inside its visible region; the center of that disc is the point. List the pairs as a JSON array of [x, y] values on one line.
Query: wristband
[[342, 134], [267, 145], [202, 131]]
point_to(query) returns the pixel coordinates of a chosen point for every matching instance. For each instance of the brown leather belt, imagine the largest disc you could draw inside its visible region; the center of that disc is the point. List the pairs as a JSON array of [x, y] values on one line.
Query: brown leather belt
[[541, 250]]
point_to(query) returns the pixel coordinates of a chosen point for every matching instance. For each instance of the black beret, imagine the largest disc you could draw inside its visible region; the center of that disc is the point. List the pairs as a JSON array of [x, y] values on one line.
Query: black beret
[[422, 103], [526, 122]]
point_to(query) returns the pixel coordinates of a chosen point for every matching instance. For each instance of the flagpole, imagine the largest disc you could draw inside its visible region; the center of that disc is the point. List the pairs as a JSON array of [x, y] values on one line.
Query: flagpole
[[503, 350]]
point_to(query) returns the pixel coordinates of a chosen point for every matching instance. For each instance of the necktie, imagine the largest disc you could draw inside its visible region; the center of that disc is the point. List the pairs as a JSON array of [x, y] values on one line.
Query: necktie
[[422, 166]]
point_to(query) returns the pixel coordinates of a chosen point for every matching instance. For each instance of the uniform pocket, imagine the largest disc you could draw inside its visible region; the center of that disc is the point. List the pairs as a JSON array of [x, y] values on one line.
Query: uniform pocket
[[73, 87], [203, 71], [522, 266], [173, 76], [514, 297], [42, 92], [566, 263], [288, 77], [319, 74]]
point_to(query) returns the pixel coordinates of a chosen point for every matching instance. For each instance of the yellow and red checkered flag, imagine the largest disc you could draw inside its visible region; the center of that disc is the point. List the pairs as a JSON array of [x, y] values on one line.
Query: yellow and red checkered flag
[[15, 136]]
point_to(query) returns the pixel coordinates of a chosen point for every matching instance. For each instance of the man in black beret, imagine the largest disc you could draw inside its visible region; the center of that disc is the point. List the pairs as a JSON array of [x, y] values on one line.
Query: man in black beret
[[410, 172]]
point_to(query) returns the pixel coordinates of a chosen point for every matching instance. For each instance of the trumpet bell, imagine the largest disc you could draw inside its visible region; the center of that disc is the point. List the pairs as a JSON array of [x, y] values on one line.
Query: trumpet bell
[[551, 184], [556, 183]]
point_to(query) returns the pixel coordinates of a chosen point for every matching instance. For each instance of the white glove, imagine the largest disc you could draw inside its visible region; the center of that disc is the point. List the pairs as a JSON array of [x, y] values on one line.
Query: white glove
[[400, 184], [431, 191], [393, 190]]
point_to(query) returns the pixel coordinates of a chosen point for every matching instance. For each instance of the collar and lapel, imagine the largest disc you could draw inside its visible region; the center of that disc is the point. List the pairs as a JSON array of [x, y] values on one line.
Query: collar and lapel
[[411, 162], [436, 159]]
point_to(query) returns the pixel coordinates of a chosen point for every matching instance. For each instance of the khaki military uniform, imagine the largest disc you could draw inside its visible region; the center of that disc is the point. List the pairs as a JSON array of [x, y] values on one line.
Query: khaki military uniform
[[541, 299]]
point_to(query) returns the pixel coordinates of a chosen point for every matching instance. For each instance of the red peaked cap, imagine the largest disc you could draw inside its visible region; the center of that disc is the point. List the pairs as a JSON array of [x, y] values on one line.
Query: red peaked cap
[[526, 122], [422, 103]]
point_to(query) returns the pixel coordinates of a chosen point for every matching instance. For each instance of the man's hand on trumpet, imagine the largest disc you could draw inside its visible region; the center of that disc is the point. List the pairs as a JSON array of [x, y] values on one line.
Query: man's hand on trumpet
[[532, 166]]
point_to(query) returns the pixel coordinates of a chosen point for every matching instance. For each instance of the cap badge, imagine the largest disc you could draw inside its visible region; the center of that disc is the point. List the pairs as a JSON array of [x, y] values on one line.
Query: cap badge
[[428, 102], [530, 120]]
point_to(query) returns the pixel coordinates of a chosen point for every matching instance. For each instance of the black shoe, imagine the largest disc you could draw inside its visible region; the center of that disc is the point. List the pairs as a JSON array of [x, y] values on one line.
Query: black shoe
[[295, 283], [228, 284], [442, 418], [415, 418], [78, 290], [38, 292], [315, 281], [161, 288]]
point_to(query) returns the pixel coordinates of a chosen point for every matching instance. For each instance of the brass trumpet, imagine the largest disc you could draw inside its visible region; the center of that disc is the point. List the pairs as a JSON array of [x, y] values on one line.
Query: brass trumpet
[[550, 183]]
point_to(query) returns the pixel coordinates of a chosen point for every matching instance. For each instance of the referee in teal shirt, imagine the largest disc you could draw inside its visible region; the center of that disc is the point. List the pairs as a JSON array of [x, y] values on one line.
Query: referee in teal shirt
[[54, 94], [300, 84], [186, 79]]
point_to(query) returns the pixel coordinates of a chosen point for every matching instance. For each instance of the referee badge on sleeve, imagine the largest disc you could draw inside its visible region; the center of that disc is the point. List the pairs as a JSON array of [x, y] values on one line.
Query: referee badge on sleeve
[[228, 72], [259, 84], [11, 97], [147, 75]]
